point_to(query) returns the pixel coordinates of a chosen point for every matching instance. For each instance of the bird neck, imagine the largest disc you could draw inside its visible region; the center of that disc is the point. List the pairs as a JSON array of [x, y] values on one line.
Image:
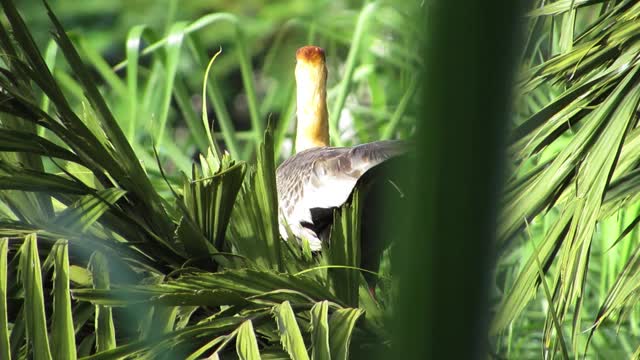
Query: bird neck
[[313, 125]]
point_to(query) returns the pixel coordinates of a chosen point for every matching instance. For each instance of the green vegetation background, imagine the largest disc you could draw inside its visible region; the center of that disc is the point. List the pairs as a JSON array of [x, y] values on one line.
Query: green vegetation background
[[524, 209]]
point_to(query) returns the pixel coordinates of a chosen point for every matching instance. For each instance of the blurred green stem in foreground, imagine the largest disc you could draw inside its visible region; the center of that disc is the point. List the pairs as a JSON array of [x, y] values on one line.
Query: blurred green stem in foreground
[[445, 261]]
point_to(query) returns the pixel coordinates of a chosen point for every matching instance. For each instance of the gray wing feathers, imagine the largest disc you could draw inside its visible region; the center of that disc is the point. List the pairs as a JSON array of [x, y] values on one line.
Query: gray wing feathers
[[366, 156], [381, 150], [324, 177], [313, 165]]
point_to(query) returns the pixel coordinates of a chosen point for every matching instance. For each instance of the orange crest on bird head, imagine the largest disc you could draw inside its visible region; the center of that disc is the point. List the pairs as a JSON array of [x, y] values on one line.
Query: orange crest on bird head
[[310, 54]]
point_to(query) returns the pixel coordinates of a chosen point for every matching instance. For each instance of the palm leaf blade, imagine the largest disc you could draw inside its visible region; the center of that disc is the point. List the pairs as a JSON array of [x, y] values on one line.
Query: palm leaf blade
[[246, 343], [5, 350], [36, 319], [290, 334], [63, 334]]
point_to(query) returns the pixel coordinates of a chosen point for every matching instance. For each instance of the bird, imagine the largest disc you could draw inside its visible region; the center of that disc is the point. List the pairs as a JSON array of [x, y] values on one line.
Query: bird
[[319, 178]]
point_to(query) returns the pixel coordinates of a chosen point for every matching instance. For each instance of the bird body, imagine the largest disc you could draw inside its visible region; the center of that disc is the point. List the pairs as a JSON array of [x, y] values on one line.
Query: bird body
[[319, 178]]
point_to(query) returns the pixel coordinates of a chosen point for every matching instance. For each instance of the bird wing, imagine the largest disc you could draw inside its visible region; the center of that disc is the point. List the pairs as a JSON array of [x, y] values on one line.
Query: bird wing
[[334, 174], [323, 178]]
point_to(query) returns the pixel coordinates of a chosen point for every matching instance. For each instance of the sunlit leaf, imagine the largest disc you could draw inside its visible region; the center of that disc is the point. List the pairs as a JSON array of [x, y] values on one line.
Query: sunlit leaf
[[290, 334], [341, 325], [104, 327], [246, 343], [4, 323], [63, 341], [320, 331], [36, 318]]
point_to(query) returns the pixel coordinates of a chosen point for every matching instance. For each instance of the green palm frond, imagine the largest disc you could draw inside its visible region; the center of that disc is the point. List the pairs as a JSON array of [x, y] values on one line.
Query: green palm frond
[[575, 160], [141, 261]]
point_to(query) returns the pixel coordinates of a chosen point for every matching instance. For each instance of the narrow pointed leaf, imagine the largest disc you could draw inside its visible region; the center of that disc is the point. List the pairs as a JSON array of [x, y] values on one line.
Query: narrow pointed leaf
[[256, 212], [5, 350], [345, 250], [320, 331], [36, 318], [528, 279], [341, 325], [159, 295], [246, 343], [63, 334], [88, 209], [14, 140], [173, 45], [16, 178], [290, 335], [105, 332]]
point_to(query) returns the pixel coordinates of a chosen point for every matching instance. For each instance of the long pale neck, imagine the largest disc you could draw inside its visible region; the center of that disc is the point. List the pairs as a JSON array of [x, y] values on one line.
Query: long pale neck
[[313, 125]]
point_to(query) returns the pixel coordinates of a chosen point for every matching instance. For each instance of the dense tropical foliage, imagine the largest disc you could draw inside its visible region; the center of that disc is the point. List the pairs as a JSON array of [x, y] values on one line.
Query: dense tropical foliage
[[567, 233], [138, 210], [115, 243]]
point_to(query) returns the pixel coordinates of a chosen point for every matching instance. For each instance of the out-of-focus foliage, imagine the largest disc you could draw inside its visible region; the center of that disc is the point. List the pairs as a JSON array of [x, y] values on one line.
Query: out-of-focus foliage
[[153, 85]]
